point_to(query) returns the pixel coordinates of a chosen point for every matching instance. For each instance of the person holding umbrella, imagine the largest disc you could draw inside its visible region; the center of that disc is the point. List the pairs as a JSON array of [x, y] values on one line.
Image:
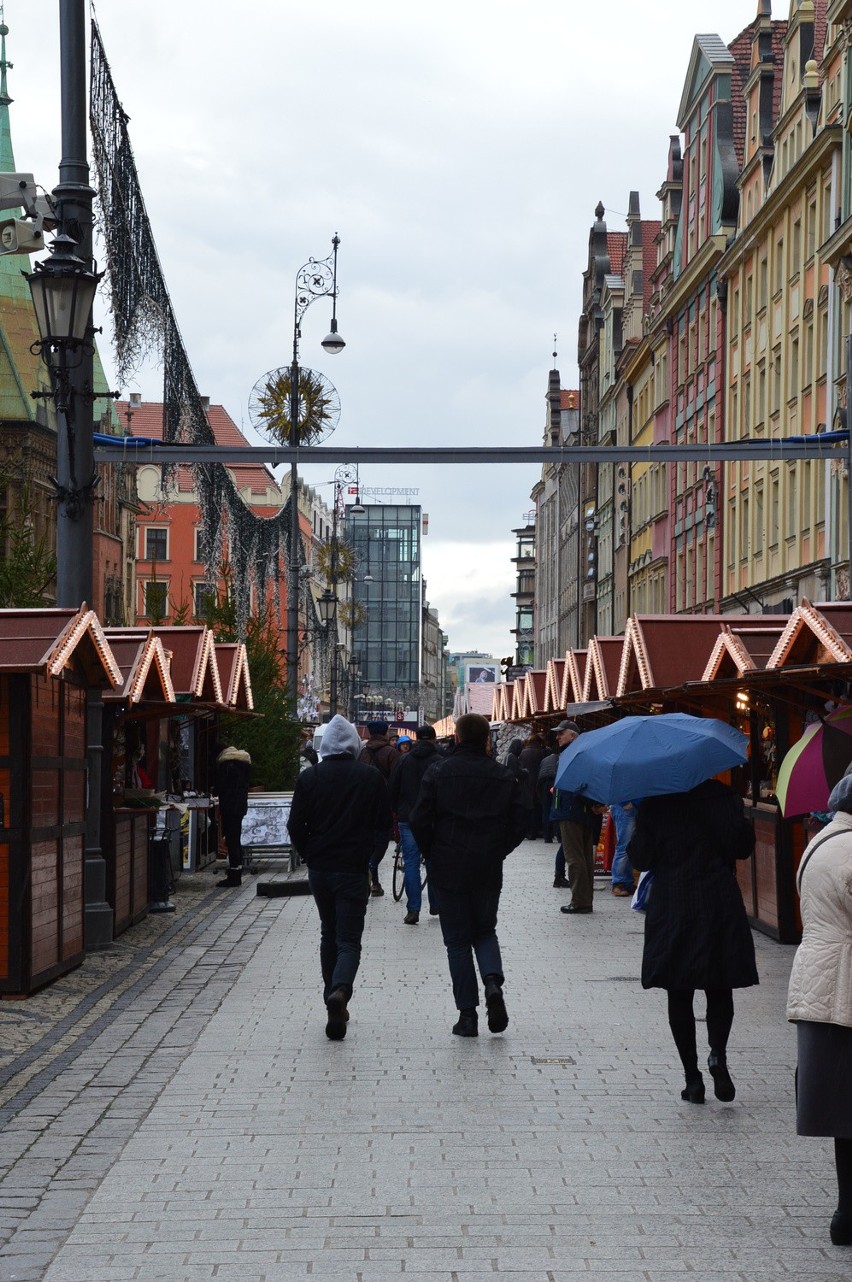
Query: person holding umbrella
[[690, 831], [697, 935]]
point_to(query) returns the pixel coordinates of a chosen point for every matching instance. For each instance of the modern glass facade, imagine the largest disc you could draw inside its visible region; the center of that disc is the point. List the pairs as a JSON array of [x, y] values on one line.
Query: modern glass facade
[[387, 642]]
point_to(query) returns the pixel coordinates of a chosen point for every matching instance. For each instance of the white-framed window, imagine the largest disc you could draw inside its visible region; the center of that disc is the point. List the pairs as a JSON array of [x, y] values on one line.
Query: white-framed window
[[156, 543], [156, 599]]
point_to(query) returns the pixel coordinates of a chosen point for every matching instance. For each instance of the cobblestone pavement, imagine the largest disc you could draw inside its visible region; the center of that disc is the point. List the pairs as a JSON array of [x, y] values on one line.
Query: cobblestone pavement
[[174, 1111]]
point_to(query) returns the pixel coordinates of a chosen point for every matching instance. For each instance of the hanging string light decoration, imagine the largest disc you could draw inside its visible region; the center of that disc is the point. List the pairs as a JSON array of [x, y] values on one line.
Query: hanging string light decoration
[[144, 323]]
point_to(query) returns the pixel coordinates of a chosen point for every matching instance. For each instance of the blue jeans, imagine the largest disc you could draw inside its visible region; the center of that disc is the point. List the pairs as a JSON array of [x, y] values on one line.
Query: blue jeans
[[469, 926], [411, 866], [625, 822], [341, 900]]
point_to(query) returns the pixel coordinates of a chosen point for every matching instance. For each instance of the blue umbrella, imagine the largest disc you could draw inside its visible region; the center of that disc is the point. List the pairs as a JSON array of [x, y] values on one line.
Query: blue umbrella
[[647, 756]]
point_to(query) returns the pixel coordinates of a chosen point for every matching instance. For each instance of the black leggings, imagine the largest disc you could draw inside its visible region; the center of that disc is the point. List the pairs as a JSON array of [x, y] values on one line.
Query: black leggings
[[843, 1162], [720, 1017]]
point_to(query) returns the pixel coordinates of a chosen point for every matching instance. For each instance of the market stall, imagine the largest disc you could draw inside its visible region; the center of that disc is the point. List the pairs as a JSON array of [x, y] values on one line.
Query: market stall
[[49, 660], [134, 717]]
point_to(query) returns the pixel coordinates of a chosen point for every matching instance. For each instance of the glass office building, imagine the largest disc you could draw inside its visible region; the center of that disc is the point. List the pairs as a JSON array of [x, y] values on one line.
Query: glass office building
[[387, 641]]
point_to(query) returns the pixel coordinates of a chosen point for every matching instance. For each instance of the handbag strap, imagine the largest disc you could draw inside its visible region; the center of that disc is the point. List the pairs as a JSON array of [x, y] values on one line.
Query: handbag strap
[[814, 847]]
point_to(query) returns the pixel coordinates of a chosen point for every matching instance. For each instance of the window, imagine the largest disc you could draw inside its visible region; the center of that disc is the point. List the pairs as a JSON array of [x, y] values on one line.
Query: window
[[204, 595], [197, 554], [758, 520], [774, 514], [156, 544], [156, 599]]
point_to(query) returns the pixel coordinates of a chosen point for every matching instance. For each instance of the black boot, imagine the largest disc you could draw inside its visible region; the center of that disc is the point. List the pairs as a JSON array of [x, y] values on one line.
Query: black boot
[[498, 1020], [722, 1085], [467, 1025], [233, 877]]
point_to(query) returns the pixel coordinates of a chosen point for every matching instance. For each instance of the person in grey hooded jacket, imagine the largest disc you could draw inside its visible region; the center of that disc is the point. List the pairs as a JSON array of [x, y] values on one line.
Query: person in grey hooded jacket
[[339, 805]]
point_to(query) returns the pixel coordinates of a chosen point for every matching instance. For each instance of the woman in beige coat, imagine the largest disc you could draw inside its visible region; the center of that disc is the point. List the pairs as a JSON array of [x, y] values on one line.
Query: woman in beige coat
[[820, 998]]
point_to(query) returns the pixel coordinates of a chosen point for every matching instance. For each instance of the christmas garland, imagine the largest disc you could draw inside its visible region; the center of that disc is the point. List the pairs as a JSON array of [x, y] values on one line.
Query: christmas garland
[[144, 322]]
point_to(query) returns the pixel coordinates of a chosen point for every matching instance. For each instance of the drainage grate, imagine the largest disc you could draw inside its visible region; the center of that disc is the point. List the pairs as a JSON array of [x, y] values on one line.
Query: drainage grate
[[552, 1059]]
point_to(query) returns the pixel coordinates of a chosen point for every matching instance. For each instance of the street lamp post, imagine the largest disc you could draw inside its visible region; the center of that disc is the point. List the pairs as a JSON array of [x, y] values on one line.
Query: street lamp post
[[316, 279]]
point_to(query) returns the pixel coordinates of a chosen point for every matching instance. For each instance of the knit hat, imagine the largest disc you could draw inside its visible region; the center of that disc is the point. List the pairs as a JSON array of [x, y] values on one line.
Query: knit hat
[[376, 728], [841, 795], [340, 738]]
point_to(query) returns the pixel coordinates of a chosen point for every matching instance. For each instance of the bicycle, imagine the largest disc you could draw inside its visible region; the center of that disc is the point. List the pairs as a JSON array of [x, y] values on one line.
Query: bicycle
[[399, 873]]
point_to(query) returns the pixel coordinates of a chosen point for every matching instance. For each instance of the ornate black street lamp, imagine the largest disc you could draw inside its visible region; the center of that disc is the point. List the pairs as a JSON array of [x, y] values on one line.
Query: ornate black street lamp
[[316, 279]]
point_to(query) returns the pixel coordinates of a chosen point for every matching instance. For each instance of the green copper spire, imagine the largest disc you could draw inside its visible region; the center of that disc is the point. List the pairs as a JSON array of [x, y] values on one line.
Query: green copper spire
[[7, 155]]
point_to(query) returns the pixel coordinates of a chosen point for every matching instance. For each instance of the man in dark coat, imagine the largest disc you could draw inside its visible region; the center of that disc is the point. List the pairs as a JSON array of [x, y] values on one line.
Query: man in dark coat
[[404, 790], [378, 751], [471, 812], [532, 754], [233, 775], [338, 807], [696, 931]]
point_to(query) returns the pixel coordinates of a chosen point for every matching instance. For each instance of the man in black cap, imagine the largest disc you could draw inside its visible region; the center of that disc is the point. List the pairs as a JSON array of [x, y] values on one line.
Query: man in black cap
[[378, 751], [579, 827]]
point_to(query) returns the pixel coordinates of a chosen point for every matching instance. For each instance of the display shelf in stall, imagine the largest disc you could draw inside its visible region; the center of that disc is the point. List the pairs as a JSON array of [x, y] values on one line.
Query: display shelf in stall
[[49, 660], [134, 717]]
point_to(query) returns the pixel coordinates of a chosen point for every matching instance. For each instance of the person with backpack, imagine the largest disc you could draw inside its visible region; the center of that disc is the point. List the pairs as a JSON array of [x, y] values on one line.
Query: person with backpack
[[378, 751]]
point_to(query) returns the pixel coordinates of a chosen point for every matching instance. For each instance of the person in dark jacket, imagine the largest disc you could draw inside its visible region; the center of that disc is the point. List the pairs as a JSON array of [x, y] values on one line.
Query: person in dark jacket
[[378, 751], [696, 931], [233, 775], [580, 822], [469, 815], [404, 788], [338, 807], [532, 755]]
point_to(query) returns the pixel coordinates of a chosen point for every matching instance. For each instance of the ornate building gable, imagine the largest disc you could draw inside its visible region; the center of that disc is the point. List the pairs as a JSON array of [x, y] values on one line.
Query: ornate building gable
[[801, 95], [711, 120]]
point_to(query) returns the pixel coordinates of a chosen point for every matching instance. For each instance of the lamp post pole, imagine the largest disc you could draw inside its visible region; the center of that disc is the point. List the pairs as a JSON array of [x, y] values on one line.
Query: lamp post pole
[[75, 444], [316, 279]]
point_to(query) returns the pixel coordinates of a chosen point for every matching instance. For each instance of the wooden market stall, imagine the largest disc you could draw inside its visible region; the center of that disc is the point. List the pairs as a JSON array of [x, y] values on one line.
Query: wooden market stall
[[129, 808], [49, 660], [766, 674]]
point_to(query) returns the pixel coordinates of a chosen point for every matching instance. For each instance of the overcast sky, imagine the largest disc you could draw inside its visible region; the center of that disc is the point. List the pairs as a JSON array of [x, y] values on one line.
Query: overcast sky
[[458, 149]]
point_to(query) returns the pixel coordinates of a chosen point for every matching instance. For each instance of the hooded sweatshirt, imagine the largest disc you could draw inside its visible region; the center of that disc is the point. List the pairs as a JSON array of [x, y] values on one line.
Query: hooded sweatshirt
[[339, 806]]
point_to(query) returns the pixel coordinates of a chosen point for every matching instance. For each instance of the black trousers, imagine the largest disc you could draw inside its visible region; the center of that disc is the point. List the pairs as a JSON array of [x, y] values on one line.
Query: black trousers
[[232, 827]]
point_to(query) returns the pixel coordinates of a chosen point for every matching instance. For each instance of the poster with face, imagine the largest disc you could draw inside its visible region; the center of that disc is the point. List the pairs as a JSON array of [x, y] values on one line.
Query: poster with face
[[478, 672]]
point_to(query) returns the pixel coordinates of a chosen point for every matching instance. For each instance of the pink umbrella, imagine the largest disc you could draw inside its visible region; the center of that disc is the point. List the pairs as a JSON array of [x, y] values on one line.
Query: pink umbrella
[[815, 763]]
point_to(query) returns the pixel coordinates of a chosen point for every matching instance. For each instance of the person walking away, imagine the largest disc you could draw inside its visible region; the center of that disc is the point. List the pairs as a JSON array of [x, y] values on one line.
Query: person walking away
[[512, 762], [697, 935], [378, 751], [546, 782], [819, 1000], [233, 775], [532, 755], [338, 807], [623, 815], [404, 788], [579, 822], [469, 815]]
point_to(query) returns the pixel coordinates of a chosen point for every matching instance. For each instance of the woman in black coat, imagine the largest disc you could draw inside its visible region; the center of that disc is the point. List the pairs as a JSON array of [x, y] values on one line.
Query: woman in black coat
[[696, 931]]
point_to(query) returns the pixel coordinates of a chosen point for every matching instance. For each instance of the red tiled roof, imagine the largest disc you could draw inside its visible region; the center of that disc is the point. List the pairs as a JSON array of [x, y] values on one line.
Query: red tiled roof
[[565, 399], [147, 420], [740, 50], [616, 248], [820, 24], [650, 232]]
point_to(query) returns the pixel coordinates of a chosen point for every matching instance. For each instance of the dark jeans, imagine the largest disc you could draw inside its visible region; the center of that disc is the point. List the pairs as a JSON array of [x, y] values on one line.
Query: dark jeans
[[469, 926], [232, 826], [341, 900], [546, 825]]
